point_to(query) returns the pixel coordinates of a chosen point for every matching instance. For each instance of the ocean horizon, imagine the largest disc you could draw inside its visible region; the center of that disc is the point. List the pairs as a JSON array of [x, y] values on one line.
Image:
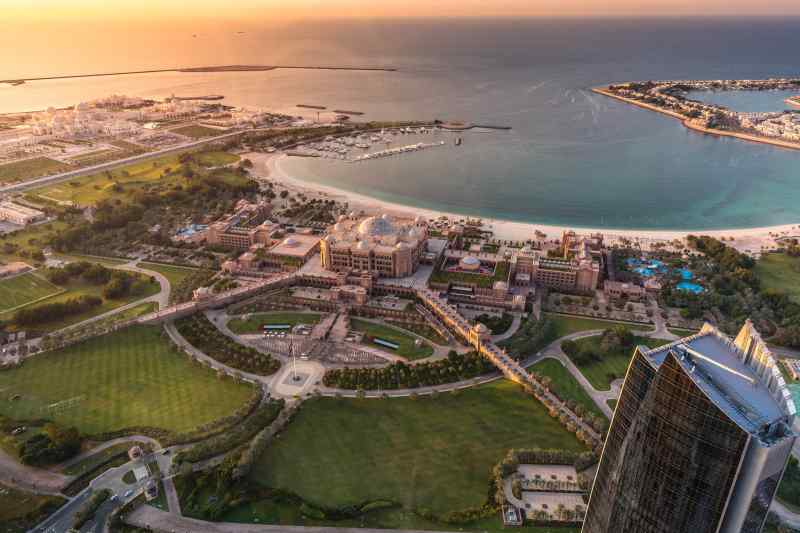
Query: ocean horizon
[[572, 157]]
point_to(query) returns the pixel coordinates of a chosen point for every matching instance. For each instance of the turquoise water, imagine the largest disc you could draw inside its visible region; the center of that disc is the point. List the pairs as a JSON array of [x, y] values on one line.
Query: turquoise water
[[690, 287], [573, 157]]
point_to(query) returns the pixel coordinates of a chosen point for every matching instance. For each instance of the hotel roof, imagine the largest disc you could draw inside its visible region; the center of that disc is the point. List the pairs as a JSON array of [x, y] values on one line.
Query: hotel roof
[[739, 376]]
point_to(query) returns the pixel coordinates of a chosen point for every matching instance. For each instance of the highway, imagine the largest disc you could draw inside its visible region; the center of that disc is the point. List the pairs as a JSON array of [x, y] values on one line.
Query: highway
[[55, 178]]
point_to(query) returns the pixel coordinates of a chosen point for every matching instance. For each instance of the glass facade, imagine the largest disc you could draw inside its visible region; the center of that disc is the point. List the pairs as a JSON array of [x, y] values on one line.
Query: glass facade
[[670, 459]]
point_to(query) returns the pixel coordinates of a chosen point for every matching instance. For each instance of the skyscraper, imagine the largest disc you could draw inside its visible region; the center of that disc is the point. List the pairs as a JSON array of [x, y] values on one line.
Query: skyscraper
[[699, 440]]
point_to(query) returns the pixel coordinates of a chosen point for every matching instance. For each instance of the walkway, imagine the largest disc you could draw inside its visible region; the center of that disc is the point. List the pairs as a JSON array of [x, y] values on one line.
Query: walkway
[[147, 516], [510, 331], [104, 446], [23, 477]]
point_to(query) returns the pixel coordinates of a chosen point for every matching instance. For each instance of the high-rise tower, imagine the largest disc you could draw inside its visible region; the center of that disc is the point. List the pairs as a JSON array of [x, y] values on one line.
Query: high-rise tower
[[699, 440]]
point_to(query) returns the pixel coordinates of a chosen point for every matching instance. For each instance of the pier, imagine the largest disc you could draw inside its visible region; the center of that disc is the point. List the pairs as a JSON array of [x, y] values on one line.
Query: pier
[[396, 151]]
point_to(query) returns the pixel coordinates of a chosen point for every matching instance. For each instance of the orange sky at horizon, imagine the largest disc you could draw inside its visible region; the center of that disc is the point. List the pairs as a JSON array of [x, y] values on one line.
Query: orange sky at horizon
[[62, 10]]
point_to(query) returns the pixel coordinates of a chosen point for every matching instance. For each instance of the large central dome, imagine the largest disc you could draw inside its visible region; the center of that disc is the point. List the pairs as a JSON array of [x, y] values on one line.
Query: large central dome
[[376, 227]]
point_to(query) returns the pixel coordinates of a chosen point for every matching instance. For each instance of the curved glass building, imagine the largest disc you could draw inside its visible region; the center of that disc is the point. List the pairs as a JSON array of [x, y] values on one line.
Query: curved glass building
[[699, 440]]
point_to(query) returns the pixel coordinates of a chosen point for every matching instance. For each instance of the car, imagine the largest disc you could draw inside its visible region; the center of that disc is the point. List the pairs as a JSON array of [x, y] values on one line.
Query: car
[[19, 430], [129, 494], [114, 497], [165, 451]]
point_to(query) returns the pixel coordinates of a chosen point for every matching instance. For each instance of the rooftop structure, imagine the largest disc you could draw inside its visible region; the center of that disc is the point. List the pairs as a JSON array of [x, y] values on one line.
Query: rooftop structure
[[580, 273], [699, 440], [382, 245], [19, 214], [247, 226]]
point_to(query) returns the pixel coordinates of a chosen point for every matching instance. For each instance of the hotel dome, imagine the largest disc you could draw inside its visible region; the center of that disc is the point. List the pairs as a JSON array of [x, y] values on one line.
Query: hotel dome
[[469, 263], [376, 227], [291, 241]]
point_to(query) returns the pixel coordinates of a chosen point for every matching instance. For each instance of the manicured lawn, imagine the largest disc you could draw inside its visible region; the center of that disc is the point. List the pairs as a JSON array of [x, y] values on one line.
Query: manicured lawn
[[30, 168], [407, 348], [124, 379], [20, 511], [28, 240], [500, 274], [75, 289], [681, 332], [93, 461], [88, 190], [174, 274], [780, 272], [564, 385], [428, 452], [599, 373], [24, 289], [215, 159], [612, 404], [256, 322], [567, 324], [197, 132]]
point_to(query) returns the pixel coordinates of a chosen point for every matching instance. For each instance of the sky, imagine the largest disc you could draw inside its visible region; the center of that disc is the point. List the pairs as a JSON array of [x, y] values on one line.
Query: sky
[[62, 10]]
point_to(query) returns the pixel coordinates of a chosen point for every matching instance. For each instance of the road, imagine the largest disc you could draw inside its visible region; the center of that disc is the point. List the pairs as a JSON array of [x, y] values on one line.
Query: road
[[55, 178], [148, 516]]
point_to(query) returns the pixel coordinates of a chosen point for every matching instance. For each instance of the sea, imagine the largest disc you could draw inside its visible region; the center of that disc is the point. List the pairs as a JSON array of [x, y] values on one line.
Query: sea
[[571, 157]]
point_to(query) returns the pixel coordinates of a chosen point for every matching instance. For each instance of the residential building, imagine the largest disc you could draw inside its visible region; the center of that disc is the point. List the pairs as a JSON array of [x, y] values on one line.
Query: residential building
[[577, 274], [246, 227], [699, 440]]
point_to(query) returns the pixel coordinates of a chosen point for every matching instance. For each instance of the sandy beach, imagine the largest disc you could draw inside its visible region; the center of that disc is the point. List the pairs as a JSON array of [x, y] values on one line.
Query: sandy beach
[[745, 239]]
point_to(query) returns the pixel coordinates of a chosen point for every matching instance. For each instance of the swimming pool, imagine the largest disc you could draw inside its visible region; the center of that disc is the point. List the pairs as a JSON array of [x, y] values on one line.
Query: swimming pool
[[686, 274], [690, 287], [644, 271]]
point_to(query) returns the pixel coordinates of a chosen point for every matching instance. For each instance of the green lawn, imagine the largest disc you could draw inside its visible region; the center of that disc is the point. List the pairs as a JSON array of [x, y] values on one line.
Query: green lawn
[[198, 132], [21, 511], [564, 385], [256, 322], [428, 452], [215, 159], [612, 404], [391, 334], [88, 190], [601, 373], [128, 378], [30, 168], [780, 272], [28, 240], [97, 459], [24, 289], [567, 324], [174, 273], [78, 288], [680, 332]]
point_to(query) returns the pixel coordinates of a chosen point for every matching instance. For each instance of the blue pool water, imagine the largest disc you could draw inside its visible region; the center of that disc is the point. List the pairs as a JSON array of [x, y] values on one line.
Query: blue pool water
[[690, 287], [686, 274], [643, 271]]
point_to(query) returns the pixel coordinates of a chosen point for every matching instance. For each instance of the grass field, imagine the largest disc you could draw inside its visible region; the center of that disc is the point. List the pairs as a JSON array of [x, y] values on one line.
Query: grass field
[[174, 274], [20, 511], [197, 132], [567, 324], [780, 272], [128, 378], [216, 159], [387, 333], [434, 452], [256, 321], [29, 240], [24, 289], [599, 373], [564, 385], [88, 190], [75, 289], [30, 168], [680, 332]]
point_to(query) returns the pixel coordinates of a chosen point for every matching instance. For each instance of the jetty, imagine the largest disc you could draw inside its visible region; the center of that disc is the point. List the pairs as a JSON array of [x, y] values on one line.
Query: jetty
[[221, 69], [396, 151], [309, 106], [461, 126], [346, 112]]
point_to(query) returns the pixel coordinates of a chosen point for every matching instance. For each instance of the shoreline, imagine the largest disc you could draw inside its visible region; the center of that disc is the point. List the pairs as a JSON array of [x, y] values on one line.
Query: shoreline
[[793, 101], [688, 125], [269, 165]]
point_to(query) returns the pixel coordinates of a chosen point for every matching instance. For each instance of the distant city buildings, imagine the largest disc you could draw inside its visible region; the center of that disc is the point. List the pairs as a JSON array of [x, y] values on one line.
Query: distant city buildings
[[699, 440]]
